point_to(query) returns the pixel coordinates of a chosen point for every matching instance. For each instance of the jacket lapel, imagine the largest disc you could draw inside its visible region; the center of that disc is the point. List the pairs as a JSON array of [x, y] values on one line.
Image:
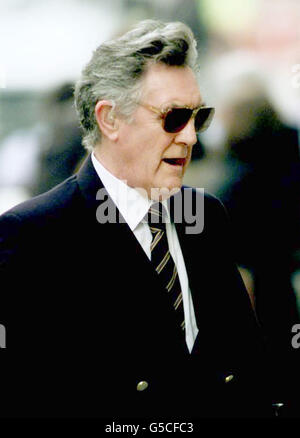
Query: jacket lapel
[[141, 283]]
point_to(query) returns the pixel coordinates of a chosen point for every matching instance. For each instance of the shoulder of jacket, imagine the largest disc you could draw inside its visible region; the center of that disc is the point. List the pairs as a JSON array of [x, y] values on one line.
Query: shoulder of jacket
[[48, 204]]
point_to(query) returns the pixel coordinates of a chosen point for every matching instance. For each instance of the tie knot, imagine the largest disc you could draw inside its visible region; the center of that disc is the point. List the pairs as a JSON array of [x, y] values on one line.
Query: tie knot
[[157, 215]]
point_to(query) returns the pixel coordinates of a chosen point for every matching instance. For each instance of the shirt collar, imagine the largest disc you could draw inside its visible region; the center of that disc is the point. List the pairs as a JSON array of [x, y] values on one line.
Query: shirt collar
[[131, 203]]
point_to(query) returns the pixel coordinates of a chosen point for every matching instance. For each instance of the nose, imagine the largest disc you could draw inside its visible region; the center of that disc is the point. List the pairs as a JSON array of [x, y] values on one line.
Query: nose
[[188, 134]]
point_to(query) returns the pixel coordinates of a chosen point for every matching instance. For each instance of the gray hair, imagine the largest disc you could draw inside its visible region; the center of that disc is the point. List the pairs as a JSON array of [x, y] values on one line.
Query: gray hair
[[115, 71]]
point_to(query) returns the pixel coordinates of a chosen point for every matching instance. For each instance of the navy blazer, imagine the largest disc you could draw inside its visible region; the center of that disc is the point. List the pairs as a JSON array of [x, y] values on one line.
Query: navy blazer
[[87, 318]]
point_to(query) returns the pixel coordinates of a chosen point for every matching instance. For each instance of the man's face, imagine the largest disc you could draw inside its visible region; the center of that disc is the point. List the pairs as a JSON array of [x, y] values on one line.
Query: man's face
[[145, 150]]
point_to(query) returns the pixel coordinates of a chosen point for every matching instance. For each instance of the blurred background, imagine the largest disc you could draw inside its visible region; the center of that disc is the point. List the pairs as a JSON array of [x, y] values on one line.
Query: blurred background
[[250, 71]]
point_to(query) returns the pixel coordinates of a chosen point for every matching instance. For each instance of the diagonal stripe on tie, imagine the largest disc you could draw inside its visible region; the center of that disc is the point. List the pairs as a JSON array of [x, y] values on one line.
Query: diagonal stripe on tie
[[162, 259]]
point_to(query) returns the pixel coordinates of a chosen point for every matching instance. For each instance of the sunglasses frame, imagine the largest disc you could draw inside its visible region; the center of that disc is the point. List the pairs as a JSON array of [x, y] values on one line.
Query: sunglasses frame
[[163, 114]]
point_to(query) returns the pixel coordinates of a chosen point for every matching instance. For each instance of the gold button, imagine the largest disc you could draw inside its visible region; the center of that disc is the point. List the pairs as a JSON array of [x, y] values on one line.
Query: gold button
[[141, 386], [229, 378], [278, 405]]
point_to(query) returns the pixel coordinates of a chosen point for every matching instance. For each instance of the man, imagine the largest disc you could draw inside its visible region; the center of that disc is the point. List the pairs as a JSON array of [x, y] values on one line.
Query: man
[[95, 327]]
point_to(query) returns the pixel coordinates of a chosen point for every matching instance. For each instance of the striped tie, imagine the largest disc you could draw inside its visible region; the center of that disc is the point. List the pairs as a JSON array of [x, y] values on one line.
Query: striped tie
[[162, 259]]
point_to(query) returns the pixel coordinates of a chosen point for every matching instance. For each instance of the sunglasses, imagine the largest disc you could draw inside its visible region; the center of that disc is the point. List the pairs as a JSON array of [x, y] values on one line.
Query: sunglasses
[[176, 119]]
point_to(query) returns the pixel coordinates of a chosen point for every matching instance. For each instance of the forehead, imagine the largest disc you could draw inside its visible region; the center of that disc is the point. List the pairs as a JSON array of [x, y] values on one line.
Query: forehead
[[164, 85]]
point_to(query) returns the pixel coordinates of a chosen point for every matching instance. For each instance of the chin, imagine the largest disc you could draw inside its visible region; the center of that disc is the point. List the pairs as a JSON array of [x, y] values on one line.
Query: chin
[[164, 192]]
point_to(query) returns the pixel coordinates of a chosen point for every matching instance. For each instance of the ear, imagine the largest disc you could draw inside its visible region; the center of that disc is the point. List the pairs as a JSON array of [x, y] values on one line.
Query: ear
[[107, 121]]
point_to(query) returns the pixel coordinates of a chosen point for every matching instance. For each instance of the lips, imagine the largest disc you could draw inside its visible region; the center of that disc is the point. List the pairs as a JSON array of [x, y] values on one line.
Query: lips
[[175, 161]]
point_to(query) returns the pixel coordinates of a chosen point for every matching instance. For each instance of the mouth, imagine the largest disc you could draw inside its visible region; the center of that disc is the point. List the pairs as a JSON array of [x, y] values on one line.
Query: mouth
[[175, 161]]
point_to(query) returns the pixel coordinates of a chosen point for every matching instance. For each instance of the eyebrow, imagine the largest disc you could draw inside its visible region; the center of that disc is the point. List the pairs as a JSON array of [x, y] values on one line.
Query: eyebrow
[[176, 105]]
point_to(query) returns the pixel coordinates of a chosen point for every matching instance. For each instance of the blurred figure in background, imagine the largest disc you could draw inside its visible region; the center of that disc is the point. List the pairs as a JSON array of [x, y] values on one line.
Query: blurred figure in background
[[61, 150], [19, 158], [262, 195], [36, 158]]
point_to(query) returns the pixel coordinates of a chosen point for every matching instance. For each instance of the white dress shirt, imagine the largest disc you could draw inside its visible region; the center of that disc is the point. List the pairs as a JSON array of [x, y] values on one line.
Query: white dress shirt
[[133, 207]]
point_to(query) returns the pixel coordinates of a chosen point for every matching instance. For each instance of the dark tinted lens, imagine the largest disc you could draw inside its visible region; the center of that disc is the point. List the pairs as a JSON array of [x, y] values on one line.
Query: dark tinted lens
[[203, 119], [176, 119]]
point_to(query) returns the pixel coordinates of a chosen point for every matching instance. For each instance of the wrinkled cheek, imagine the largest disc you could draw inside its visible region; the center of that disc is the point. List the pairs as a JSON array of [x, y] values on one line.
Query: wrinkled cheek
[[142, 175], [187, 163]]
